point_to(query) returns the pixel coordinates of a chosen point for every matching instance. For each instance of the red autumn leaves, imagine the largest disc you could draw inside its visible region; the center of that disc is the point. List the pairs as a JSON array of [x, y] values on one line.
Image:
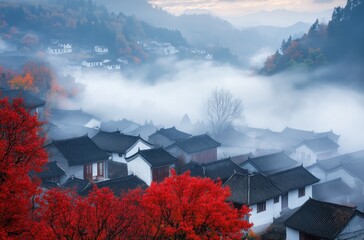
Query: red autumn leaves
[[180, 207]]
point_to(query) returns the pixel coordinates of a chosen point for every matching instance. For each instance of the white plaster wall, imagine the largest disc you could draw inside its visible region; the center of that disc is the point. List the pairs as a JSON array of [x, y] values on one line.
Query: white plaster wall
[[304, 155], [294, 201], [249, 167], [93, 123], [117, 158], [141, 169], [277, 208], [134, 149], [344, 175], [292, 234], [262, 217]]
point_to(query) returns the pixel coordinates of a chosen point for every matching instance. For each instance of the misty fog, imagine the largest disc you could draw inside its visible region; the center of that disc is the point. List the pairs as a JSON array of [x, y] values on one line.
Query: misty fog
[[269, 102]]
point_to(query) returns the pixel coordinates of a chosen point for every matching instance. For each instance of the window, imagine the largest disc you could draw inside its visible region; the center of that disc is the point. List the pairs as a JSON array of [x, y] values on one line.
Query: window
[[261, 207], [301, 192], [100, 169], [87, 171], [284, 201], [276, 199]]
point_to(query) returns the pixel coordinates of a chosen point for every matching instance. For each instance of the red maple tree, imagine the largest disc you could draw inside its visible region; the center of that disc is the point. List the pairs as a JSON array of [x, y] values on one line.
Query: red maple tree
[[185, 207], [180, 207], [21, 152]]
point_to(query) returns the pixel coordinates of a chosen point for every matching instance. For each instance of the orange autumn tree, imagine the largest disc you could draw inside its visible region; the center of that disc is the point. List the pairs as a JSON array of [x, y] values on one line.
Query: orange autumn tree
[[21, 152], [25, 82]]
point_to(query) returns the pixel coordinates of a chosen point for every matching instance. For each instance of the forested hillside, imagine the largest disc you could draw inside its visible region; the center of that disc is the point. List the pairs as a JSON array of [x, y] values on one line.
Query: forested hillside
[[339, 41]]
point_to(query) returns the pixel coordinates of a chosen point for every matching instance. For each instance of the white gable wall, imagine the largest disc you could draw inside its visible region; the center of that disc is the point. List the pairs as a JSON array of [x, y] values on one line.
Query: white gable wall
[[141, 169], [93, 123], [304, 155], [262, 218], [139, 145], [294, 201], [292, 234], [277, 208]]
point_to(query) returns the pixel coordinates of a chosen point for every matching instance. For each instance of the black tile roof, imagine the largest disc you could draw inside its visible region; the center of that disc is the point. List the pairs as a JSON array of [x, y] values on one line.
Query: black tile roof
[[251, 189], [196, 144], [321, 219], [76, 184], [120, 125], [221, 169], [50, 170], [80, 150], [319, 144], [29, 100], [74, 117], [332, 163], [123, 184], [329, 189], [297, 133], [272, 162], [156, 157], [239, 159], [115, 142], [172, 134], [293, 178]]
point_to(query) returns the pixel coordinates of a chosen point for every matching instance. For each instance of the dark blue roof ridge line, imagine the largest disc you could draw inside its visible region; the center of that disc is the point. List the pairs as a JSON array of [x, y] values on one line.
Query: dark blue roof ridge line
[[67, 139], [202, 142]]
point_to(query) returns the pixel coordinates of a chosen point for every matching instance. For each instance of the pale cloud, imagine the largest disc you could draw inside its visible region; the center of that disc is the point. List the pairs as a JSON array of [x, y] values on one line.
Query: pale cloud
[[243, 7]]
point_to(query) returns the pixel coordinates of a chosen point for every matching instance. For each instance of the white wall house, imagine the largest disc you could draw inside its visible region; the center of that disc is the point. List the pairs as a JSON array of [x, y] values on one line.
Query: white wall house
[[79, 157], [101, 49], [92, 63], [270, 195], [309, 151], [151, 164], [119, 145]]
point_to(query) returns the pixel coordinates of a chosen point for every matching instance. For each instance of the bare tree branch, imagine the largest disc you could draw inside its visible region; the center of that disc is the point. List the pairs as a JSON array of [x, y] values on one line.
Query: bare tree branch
[[221, 108]]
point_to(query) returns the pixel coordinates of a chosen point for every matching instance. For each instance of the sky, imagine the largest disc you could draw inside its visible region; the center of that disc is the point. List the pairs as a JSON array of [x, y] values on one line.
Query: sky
[[230, 8]]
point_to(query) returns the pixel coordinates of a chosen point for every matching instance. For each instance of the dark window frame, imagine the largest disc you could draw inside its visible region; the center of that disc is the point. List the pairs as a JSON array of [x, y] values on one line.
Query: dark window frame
[[261, 207], [302, 192], [276, 199]]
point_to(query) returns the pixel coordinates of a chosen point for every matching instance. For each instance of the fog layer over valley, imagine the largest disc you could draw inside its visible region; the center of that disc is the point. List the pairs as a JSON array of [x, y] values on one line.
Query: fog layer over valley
[[269, 102]]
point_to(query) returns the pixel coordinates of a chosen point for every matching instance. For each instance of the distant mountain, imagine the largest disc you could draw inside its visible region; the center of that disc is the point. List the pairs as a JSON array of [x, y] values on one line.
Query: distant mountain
[[338, 42], [208, 32], [30, 26], [278, 18]]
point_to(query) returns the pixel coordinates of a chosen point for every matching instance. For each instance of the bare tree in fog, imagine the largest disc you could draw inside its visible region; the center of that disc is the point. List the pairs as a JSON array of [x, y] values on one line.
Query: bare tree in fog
[[221, 108]]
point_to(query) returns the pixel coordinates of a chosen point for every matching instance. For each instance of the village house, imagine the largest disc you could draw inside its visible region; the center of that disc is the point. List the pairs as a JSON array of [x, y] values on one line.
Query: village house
[[336, 191], [270, 196], [322, 220], [349, 167], [112, 65], [59, 47], [289, 138], [79, 157], [92, 63], [151, 165], [269, 163], [120, 146], [201, 149], [217, 170], [64, 118], [309, 151], [165, 137], [101, 49]]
